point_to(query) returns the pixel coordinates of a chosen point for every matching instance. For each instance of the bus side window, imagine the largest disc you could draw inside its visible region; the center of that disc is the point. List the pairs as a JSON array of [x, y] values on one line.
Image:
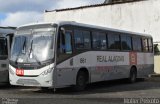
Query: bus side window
[[99, 40], [65, 43], [145, 45], [62, 43], [82, 39], [150, 44], [68, 43], [126, 42], [137, 44], [114, 41]]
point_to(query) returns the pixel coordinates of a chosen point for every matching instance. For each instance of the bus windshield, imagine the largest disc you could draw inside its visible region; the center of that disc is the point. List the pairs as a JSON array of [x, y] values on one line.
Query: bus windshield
[[36, 47]]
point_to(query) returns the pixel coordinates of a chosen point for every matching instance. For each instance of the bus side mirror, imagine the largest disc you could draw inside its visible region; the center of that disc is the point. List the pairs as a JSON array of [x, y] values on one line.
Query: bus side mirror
[[62, 30]]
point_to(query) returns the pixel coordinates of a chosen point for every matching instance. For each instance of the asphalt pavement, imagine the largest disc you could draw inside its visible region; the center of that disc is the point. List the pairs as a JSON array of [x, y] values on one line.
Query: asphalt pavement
[[108, 92]]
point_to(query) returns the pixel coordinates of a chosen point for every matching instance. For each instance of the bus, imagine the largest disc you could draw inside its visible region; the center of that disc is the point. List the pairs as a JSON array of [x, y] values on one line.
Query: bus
[[67, 53], [6, 35]]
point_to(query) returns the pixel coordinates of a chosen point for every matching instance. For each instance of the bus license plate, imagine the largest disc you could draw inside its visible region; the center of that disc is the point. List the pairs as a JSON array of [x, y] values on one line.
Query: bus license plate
[[20, 72]]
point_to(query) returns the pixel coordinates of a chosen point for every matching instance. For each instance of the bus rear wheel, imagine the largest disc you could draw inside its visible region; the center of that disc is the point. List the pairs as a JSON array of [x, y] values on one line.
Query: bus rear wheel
[[81, 81], [133, 75]]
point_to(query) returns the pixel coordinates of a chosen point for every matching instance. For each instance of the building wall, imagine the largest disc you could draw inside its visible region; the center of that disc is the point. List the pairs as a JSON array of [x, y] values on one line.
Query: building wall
[[157, 64], [141, 16]]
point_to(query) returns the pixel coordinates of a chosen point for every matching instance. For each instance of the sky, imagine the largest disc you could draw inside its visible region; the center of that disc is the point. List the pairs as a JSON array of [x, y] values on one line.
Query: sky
[[20, 12]]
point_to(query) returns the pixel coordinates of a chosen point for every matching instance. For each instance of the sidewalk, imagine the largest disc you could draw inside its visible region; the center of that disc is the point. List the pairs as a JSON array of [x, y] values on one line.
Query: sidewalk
[[154, 77]]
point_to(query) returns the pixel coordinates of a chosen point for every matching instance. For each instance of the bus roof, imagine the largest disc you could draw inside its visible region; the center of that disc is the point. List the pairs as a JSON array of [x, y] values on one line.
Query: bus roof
[[61, 23], [6, 30]]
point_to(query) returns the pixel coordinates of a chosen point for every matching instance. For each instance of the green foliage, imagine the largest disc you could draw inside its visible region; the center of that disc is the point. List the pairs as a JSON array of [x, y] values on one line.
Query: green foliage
[[156, 49]]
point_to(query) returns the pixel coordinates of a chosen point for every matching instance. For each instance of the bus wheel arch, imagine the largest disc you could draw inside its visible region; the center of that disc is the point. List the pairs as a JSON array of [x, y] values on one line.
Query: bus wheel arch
[[82, 78], [133, 74]]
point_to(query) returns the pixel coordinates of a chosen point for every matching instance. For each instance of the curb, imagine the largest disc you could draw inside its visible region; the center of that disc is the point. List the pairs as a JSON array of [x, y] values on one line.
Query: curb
[[154, 77]]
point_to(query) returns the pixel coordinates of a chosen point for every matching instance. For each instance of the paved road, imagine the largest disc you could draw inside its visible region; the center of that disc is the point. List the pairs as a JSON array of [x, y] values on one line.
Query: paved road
[[110, 92]]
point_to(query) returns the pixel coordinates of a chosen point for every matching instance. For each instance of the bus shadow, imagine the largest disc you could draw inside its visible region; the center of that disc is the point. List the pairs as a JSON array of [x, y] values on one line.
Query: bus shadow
[[6, 86], [10, 87], [107, 87]]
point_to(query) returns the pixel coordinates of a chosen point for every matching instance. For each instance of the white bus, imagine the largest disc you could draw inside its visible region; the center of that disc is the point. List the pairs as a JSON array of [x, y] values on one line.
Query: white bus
[[56, 55], [6, 35]]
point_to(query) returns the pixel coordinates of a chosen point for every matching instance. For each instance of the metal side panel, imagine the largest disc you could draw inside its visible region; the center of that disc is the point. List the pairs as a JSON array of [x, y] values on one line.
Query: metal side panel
[[4, 75]]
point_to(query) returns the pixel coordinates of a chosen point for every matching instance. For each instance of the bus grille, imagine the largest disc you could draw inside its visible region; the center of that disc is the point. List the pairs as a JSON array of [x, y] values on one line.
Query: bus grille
[[27, 82]]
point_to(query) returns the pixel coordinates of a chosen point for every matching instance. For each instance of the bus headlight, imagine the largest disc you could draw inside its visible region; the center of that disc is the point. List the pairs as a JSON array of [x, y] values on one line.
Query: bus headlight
[[46, 72]]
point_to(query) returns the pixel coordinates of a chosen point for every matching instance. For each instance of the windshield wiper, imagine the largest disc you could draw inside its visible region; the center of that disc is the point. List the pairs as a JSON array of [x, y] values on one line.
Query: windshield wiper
[[21, 51], [24, 46], [31, 47], [38, 61], [35, 57]]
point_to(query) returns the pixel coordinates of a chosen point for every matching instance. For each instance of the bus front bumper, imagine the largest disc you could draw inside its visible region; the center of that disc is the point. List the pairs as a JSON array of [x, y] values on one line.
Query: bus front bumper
[[40, 80], [31, 81]]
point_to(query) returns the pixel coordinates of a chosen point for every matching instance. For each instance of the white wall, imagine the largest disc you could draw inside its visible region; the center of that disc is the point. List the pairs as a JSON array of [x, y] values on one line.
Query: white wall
[[143, 16]]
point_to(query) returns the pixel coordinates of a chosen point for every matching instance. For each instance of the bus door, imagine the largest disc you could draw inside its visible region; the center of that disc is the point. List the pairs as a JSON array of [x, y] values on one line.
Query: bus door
[[4, 62], [64, 59]]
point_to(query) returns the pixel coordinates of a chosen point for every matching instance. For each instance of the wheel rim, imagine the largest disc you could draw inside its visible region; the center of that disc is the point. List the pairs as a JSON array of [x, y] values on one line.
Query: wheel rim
[[81, 80], [133, 76]]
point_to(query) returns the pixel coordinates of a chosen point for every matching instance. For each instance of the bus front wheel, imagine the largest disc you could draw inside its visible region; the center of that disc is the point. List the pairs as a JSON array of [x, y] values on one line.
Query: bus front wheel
[[81, 81]]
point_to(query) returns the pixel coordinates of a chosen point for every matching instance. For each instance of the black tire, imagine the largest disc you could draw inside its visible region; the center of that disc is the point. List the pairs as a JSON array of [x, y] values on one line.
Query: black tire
[[44, 88], [7, 84], [133, 75], [81, 81]]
